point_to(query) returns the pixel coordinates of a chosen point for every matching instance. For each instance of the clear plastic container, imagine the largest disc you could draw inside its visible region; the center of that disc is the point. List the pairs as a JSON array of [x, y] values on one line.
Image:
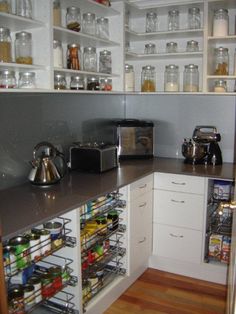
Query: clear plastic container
[[150, 49], [220, 86], [73, 19], [221, 61], [191, 78], [192, 46], [77, 83], [221, 23], [24, 8], [129, 78], [194, 18], [5, 6], [151, 22], [89, 23], [57, 54], [27, 80], [148, 79], [56, 13], [73, 57], [59, 81], [5, 45], [105, 64], [173, 20], [7, 79], [171, 47], [103, 27], [90, 59], [171, 78], [23, 48]]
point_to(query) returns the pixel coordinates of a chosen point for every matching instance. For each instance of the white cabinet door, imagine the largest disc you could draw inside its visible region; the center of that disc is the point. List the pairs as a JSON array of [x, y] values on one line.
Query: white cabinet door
[[140, 187]]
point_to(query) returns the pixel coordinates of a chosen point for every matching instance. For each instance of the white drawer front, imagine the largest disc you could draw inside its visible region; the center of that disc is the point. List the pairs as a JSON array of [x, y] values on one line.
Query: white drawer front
[[179, 183], [141, 187], [177, 243], [178, 209]]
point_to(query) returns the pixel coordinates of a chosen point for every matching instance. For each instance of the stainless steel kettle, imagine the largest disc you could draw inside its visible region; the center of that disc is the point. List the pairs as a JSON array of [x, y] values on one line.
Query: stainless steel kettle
[[44, 169]]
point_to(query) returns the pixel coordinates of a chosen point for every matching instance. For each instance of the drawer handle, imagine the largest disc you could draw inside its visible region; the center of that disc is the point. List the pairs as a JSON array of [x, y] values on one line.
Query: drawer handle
[[178, 183], [143, 205], [143, 186], [176, 236], [176, 201], [141, 241]]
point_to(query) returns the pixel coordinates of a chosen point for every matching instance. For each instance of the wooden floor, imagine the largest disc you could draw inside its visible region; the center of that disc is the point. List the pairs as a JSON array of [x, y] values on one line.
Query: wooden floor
[[160, 292]]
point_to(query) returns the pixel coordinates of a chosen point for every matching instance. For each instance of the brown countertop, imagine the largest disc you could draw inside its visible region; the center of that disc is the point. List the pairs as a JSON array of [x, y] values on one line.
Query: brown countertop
[[25, 206]]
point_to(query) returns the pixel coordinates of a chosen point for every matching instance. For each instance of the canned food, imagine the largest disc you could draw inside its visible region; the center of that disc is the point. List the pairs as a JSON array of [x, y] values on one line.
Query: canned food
[[16, 300], [102, 225], [36, 282], [45, 240], [35, 245], [55, 229], [113, 219], [47, 286], [56, 274], [9, 260], [29, 296], [21, 245], [86, 291]]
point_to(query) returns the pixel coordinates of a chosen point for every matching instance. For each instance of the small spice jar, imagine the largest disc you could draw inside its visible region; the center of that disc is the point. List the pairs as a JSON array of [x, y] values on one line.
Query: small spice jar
[[194, 18], [105, 62], [59, 83], [173, 20], [171, 78], [103, 27], [5, 45], [129, 78], [7, 79], [171, 47], [150, 49], [89, 23], [56, 13], [27, 80], [221, 61], [77, 83], [93, 84], [73, 19], [191, 78], [73, 57], [90, 59], [192, 46], [105, 84], [148, 79], [151, 22], [57, 54], [220, 86], [221, 22], [23, 48], [5, 6]]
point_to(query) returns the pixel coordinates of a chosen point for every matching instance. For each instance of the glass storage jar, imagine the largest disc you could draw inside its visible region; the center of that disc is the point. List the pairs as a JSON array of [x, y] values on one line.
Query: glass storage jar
[[103, 27], [129, 78], [7, 79], [57, 54], [5, 6], [191, 78], [173, 20], [192, 46], [73, 19], [56, 13], [148, 79], [150, 49], [171, 78], [105, 62], [93, 84], [59, 81], [27, 80], [24, 8], [105, 84], [73, 57], [90, 59], [5, 45], [171, 47], [221, 61], [23, 48], [77, 83], [151, 22], [221, 22], [194, 18], [89, 23], [220, 86]]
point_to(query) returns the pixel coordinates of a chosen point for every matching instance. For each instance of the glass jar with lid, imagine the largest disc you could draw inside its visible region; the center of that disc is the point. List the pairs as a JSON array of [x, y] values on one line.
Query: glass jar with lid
[[5, 6], [148, 79], [221, 61], [150, 49], [56, 13], [171, 47], [27, 80], [103, 27], [93, 84], [59, 81], [194, 18], [73, 57], [7, 79], [73, 19], [23, 48], [105, 62], [89, 23], [57, 54], [173, 20], [151, 22], [90, 59], [221, 22], [24, 8], [192, 46], [171, 78], [105, 84], [5, 45], [220, 86], [77, 83], [191, 78], [129, 78]]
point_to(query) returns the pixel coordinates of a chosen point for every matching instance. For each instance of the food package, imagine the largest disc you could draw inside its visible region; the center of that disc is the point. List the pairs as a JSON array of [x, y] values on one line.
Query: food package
[[225, 251], [215, 246]]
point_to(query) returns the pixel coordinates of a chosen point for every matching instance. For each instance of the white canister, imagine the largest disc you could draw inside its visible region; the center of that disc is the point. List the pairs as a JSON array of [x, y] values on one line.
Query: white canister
[[221, 23]]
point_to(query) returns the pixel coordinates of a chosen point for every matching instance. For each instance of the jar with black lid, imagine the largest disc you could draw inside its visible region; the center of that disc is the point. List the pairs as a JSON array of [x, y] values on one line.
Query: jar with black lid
[[93, 84]]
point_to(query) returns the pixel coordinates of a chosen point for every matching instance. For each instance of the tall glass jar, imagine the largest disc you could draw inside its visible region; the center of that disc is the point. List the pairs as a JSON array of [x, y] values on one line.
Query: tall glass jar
[[103, 27], [57, 54], [5, 6], [151, 22], [77, 83], [27, 80], [56, 13], [90, 59], [7, 79], [192, 46], [221, 61], [105, 62], [150, 49], [73, 57], [5, 45], [89, 23], [129, 78], [24, 8], [23, 48], [148, 79], [171, 78], [191, 78], [59, 81], [194, 18], [171, 47], [73, 19], [173, 20], [221, 22]]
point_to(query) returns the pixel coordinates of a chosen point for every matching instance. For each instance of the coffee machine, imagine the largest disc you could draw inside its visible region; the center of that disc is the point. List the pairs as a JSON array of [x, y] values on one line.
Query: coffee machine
[[203, 148]]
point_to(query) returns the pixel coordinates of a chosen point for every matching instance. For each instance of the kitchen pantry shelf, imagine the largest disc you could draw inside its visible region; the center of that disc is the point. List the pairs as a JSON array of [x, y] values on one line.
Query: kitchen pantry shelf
[[16, 23], [85, 73], [182, 54]]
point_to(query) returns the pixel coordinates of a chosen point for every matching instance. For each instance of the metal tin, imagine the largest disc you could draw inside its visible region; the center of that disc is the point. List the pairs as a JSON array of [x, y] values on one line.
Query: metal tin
[[29, 296], [21, 245], [36, 282], [47, 286], [56, 274], [35, 245], [55, 229], [45, 240]]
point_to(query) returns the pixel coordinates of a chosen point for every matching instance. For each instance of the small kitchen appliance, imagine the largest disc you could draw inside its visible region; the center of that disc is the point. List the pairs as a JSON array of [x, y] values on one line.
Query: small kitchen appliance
[[93, 157], [203, 148], [134, 138]]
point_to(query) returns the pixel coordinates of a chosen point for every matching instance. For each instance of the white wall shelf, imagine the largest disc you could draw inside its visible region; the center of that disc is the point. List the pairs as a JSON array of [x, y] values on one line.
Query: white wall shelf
[[18, 23], [137, 56]]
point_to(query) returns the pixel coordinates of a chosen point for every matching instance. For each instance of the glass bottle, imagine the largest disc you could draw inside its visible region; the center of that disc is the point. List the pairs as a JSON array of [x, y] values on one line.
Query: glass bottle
[[129, 78], [77, 83], [7, 79], [191, 78], [88, 24], [73, 19], [103, 27], [5, 6], [93, 84], [105, 62], [57, 54], [171, 47], [194, 18], [150, 49], [173, 20], [24, 8], [171, 78], [220, 86], [56, 13], [221, 23], [90, 59], [5, 45], [105, 84], [221, 61], [151, 22], [23, 48], [59, 81], [148, 79], [192, 46], [27, 80], [73, 57]]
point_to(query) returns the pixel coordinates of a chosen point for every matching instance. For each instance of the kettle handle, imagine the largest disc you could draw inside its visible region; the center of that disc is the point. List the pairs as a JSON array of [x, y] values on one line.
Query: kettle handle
[[44, 144], [61, 155]]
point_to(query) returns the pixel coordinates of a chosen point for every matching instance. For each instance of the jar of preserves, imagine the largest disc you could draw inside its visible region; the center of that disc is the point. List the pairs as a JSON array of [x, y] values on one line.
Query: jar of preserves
[[171, 47], [5, 6], [23, 48], [105, 62], [151, 22], [148, 79], [171, 78], [103, 27], [221, 23], [93, 84], [105, 84], [192, 46], [220, 86], [90, 59], [77, 83], [191, 78], [24, 8], [173, 20], [89, 23], [7, 79], [16, 300], [150, 49], [59, 83], [27, 80], [73, 57], [194, 18], [57, 54], [73, 19], [56, 13], [5, 45], [221, 61]]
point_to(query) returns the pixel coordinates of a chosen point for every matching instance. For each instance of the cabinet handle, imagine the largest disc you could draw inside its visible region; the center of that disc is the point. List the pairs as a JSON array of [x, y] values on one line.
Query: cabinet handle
[[176, 236], [141, 241], [143, 205], [176, 201], [143, 186], [178, 183]]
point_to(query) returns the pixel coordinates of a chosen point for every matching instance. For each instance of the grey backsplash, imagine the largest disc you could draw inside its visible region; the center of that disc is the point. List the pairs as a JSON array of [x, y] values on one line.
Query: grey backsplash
[[27, 119]]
